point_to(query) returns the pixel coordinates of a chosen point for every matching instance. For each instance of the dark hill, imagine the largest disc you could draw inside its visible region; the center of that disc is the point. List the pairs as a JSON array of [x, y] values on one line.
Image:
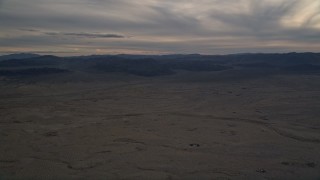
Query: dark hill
[[36, 61], [18, 56], [32, 71], [158, 65]]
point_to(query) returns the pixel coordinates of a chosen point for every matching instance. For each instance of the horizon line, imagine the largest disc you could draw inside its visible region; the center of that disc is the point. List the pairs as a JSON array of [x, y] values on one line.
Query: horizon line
[[173, 54]]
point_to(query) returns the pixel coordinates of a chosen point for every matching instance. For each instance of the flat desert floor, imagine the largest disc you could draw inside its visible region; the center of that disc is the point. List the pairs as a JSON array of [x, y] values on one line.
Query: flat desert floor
[[183, 126]]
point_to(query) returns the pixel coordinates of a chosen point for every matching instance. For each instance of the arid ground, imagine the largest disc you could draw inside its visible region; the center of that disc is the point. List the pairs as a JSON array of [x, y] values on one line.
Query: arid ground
[[191, 125]]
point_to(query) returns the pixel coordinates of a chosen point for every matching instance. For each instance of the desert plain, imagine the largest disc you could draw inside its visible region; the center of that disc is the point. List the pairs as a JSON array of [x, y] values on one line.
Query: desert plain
[[190, 125], [160, 90]]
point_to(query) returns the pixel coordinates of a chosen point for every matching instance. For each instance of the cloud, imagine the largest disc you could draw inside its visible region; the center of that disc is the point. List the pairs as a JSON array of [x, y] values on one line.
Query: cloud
[[29, 30], [184, 26], [263, 20], [86, 35]]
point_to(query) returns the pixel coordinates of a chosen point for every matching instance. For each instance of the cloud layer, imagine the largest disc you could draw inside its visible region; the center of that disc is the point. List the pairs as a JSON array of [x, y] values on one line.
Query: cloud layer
[[159, 27]]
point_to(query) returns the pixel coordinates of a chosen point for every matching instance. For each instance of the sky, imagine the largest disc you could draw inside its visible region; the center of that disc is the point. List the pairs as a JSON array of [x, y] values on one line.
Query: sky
[[83, 27]]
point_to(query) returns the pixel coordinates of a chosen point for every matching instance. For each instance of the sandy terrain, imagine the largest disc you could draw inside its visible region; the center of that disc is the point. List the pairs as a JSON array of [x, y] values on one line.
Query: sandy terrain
[[176, 127]]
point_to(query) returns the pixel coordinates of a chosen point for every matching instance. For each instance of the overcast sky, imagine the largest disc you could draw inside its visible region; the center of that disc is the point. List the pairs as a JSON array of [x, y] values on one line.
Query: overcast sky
[[76, 27]]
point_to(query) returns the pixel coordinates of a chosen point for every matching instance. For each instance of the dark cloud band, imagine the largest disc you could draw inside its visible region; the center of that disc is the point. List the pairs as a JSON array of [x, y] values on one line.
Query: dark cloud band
[[86, 35]]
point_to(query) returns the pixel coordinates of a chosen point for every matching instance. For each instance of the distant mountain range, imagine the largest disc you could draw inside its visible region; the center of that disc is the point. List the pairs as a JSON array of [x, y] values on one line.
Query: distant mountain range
[[18, 56], [157, 65]]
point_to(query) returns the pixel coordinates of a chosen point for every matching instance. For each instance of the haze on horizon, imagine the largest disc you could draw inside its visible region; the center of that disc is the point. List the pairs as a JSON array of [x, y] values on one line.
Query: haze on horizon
[[80, 27]]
